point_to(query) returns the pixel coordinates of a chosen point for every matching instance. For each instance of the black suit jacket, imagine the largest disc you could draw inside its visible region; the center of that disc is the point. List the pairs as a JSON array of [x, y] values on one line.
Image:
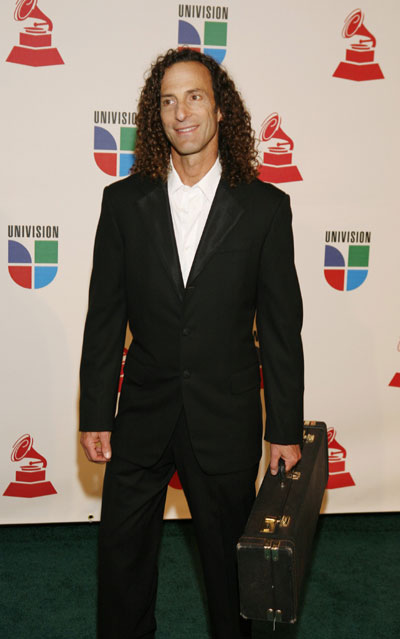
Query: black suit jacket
[[193, 346]]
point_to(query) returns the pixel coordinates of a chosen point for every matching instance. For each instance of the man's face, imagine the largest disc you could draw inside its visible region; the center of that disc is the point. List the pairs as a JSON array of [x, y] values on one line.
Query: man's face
[[188, 112]]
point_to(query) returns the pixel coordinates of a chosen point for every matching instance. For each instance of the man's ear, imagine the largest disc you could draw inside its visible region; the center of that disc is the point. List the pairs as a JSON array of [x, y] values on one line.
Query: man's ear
[[219, 115]]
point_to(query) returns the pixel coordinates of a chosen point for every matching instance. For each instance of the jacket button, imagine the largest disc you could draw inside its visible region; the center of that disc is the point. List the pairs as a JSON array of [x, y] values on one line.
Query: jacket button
[[186, 332], [186, 374]]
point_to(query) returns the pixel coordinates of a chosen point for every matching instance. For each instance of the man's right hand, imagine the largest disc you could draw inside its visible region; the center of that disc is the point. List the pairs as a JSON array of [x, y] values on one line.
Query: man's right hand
[[97, 446], [290, 454]]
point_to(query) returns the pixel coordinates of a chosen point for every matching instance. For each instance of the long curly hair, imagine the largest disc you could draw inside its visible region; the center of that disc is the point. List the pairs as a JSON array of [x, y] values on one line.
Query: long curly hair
[[236, 141]]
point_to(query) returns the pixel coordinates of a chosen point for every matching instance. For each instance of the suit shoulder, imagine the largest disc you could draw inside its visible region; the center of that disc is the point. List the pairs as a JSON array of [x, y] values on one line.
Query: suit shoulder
[[260, 196], [267, 190], [133, 187]]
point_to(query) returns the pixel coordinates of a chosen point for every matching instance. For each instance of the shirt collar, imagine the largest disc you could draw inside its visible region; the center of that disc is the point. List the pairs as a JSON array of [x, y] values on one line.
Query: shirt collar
[[208, 183]]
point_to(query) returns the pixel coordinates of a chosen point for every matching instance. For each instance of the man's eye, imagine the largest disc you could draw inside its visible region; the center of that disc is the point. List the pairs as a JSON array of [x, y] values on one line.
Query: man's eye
[[196, 96], [166, 102]]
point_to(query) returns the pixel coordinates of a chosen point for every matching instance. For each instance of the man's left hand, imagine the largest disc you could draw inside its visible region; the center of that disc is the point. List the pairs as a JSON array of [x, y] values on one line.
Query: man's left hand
[[291, 454]]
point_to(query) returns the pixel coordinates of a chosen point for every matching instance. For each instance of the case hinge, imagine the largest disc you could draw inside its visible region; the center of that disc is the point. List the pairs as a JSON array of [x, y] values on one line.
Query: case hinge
[[274, 616], [267, 551], [275, 552], [271, 551]]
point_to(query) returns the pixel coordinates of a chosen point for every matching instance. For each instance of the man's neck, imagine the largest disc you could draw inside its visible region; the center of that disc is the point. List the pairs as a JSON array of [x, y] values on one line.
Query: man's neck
[[192, 168]]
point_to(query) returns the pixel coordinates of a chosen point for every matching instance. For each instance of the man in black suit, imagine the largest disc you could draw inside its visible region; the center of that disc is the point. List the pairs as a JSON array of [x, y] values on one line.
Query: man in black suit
[[189, 249]]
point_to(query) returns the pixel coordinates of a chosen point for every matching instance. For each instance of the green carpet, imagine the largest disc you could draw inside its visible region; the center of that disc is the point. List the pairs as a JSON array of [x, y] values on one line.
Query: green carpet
[[48, 582]]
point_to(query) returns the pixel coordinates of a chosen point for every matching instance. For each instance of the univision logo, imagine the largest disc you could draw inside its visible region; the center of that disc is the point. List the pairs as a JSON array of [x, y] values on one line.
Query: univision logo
[[114, 146], [33, 264], [206, 31], [346, 269]]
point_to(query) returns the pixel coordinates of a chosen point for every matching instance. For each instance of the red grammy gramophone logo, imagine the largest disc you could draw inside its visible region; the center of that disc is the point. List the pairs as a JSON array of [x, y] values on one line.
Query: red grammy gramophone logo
[[34, 47], [30, 479], [395, 381], [338, 476], [359, 64], [277, 160]]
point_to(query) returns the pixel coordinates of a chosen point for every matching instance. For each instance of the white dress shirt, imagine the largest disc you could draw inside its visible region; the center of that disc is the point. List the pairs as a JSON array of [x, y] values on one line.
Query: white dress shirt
[[190, 206]]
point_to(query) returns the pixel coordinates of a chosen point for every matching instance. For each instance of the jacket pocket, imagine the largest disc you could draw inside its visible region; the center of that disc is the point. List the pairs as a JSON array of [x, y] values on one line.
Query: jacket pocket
[[246, 379]]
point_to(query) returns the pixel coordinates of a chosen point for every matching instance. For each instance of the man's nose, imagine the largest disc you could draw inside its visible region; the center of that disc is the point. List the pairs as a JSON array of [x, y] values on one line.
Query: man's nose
[[181, 111]]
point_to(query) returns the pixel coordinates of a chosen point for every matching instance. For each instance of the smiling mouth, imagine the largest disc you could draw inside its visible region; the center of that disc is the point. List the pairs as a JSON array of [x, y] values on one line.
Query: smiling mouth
[[188, 129]]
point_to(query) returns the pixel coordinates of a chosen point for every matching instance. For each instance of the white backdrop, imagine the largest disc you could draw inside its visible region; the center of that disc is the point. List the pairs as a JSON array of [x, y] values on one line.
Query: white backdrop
[[335, 153]]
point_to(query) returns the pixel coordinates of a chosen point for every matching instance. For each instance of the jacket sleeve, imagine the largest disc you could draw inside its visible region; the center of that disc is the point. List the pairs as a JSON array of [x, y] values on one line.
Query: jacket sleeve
[[279, 321], [105, 326]]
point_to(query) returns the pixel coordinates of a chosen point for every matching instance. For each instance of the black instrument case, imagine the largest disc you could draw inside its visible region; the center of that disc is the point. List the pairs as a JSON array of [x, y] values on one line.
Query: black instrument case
[[275, 548]]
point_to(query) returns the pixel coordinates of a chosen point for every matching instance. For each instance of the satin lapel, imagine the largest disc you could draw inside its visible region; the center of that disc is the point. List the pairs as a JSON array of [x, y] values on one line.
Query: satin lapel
[[156, 214], [224, 214]]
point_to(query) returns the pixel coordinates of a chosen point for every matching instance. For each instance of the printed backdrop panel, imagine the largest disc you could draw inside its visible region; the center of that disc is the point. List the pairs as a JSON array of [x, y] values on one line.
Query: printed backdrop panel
[[321, 81]]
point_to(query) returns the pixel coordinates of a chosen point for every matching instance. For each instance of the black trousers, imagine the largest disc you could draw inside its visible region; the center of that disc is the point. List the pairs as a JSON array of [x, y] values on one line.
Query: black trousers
[[130, 533]]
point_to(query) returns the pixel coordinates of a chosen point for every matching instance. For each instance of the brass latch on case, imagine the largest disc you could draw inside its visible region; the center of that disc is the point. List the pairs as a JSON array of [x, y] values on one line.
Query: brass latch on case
[[293, 474], [308, 438], [270, 523]]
